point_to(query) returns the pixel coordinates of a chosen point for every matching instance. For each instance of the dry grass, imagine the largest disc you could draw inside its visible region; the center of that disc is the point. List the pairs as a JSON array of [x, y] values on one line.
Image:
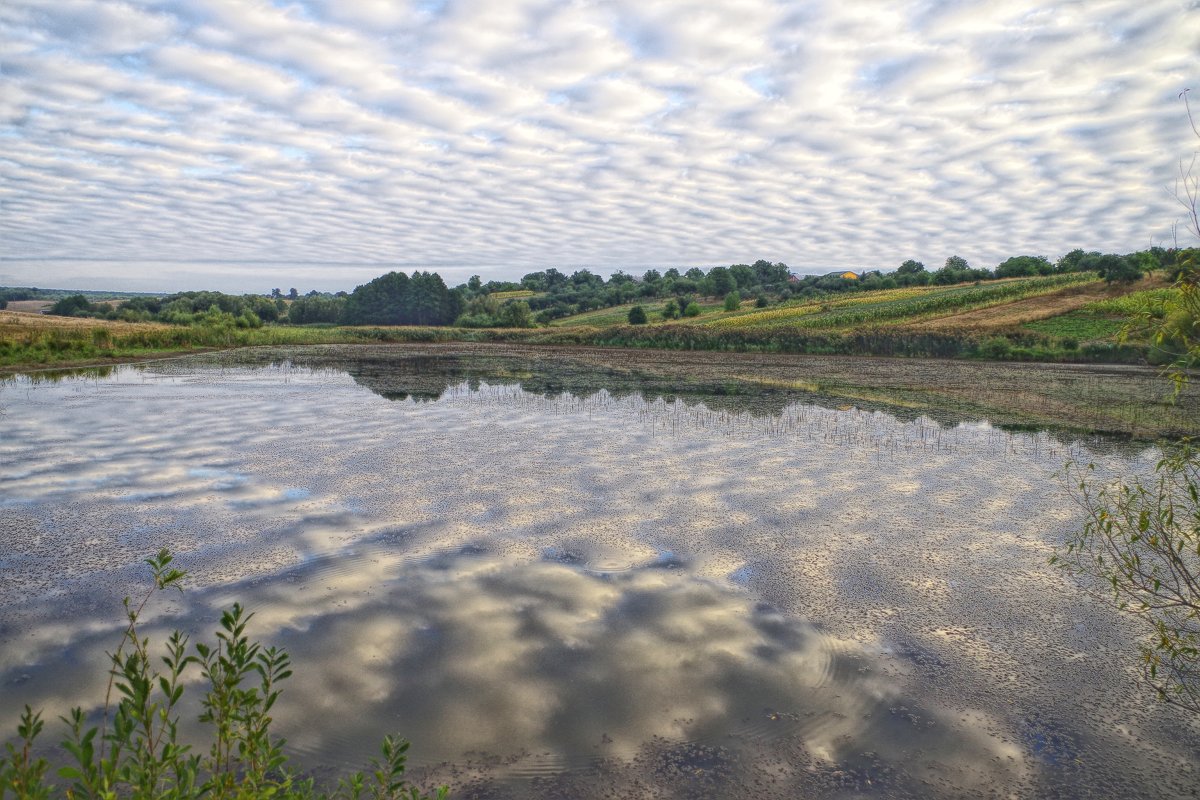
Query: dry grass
[[17, 322], [33, 306]]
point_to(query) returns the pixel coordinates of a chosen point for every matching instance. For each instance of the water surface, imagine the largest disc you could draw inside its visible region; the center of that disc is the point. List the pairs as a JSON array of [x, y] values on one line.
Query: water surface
[[570, 578]]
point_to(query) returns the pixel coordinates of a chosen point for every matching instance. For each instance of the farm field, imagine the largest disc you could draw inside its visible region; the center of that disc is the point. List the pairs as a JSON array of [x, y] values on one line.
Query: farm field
[[619, 315], [1068, 317], [1072, 317], [29, 306], [13, 321], [930, 307]]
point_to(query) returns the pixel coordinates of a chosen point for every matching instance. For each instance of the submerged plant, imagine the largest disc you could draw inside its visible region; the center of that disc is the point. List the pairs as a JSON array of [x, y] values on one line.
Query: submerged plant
[[135, 752]]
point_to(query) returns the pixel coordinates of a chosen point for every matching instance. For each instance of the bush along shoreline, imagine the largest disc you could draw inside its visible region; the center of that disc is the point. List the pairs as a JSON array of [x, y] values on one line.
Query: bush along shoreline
[[135, 750]]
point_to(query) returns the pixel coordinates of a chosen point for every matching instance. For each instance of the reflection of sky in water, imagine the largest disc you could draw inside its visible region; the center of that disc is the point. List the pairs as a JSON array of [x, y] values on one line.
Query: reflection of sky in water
[[588, 587]]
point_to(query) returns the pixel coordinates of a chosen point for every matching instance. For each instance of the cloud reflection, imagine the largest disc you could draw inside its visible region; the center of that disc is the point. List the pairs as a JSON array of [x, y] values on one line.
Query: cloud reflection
[[566, 584]]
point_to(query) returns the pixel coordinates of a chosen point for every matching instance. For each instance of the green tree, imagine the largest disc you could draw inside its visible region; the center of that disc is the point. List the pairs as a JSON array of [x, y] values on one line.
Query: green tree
[[1072, 261], [637, 316], [75, 305], [720, 281], [1114, 268], [670, 310], [379, 302], [743, 275], [515, 314], [692, 309], [1019, 266], [733, 301], [318, 309], [397, 299]]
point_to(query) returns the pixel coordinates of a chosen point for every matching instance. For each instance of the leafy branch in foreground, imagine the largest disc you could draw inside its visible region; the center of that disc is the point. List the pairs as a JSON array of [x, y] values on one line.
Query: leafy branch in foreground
[[140, 755], [1144, 541]]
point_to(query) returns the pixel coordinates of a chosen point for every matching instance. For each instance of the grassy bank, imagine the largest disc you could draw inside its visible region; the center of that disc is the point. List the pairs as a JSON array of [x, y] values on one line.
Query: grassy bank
[[1057, 318], [32, 341], [97, 345]]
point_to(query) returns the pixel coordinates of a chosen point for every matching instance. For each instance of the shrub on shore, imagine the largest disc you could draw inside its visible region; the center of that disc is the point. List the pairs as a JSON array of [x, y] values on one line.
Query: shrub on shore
[[136, 751]]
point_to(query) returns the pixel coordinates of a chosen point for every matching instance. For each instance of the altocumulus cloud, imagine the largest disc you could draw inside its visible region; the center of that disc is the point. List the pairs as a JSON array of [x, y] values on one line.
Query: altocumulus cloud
[[499, 137]]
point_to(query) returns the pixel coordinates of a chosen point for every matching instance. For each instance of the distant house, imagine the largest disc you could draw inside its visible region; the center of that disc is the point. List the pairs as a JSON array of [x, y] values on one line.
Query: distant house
[[793, 277], [849, 276]]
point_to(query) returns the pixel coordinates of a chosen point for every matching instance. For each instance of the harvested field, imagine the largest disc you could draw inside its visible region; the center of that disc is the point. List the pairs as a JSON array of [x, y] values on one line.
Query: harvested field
[[15, 322], [34, 306]]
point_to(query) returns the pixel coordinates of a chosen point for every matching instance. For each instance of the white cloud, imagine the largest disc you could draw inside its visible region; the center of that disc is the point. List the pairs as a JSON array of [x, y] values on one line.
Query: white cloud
[[505, 137]]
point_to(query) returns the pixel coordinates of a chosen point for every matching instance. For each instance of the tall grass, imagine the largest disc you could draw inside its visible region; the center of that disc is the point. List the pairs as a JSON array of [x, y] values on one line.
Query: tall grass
[[48, 346]]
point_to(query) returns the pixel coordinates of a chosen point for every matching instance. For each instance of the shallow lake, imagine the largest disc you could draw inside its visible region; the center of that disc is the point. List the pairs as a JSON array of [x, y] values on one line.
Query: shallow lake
[[576, 576]]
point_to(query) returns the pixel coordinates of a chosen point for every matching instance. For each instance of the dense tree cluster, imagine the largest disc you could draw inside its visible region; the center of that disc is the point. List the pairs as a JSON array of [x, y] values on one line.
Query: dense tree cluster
[[17, 293], [559, 295], [316, 308], [397, 299], [184, 308]]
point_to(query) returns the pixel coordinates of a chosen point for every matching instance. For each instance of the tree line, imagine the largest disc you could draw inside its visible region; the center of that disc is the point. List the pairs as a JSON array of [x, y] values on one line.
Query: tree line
[[423, 298]]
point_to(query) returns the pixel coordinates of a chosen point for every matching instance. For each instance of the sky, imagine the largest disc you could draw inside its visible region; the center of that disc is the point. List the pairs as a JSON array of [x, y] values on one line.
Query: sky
[[243, 145]]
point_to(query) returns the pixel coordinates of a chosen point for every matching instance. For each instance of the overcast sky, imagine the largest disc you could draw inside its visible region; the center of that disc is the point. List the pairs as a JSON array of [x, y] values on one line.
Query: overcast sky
[[242, 145]]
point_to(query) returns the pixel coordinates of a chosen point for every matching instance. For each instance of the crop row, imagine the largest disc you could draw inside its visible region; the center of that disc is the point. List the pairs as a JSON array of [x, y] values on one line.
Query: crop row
[[1149, 301], [868, 300], [783, 313], [958, 299]]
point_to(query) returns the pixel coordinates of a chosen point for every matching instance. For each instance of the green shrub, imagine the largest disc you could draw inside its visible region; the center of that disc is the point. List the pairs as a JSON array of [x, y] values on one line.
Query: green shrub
[[997, 347], [637, 316], [139, 755], [692, 309]]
